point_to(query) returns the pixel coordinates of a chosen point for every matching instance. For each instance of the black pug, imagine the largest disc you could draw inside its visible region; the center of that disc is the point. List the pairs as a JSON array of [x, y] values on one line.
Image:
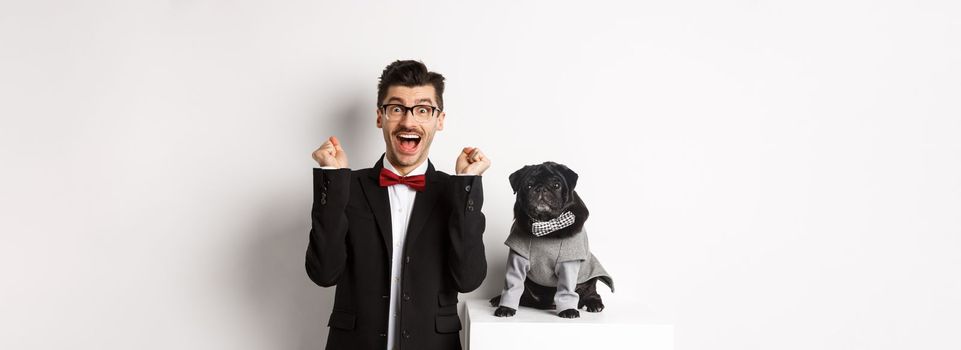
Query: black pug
[[549, 265]]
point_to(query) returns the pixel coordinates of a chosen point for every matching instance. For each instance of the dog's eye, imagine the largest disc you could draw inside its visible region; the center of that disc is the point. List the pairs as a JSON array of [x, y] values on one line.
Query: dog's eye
[[557, 185]]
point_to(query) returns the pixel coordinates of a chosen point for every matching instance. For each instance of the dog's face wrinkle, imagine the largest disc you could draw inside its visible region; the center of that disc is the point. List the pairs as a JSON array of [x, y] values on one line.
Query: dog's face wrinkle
[[545, 193]]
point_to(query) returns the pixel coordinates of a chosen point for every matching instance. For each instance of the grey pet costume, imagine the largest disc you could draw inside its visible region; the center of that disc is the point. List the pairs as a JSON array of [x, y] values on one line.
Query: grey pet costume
[[550, 261]]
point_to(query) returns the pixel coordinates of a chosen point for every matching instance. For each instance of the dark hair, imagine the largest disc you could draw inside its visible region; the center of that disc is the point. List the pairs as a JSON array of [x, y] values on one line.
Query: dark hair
[[410, 73]]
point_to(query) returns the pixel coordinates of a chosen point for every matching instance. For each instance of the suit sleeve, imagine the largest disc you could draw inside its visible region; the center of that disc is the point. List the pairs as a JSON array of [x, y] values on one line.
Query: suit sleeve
[[468, 264], [327, 248]]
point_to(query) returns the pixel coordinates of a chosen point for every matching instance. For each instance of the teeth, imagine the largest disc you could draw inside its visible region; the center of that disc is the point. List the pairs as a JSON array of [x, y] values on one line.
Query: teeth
[[408, 136]]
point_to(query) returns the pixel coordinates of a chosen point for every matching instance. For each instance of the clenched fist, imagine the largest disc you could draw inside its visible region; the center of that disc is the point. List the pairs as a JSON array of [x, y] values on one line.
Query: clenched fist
[[331, 154], [472, 161]]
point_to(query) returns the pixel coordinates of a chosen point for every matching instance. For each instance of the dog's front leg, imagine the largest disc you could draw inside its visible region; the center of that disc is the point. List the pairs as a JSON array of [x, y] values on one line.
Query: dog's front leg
[[566, 297], [517, 267]]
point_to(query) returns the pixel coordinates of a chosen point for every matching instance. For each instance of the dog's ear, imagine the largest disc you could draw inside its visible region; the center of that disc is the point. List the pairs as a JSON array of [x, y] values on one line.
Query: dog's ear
[[518, 177], [569, 175]]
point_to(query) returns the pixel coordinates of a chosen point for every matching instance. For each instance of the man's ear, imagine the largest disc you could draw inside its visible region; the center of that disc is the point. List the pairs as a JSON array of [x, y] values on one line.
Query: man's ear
[[380, 118], [519, 176], [440, 120]]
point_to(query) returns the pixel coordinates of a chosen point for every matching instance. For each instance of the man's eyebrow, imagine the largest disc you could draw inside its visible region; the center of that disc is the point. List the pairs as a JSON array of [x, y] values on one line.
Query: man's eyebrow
[[425, 100], [395, 99]]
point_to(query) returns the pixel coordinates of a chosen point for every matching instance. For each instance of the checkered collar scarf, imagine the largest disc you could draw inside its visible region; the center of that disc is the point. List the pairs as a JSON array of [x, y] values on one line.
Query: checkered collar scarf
[[540, 228]]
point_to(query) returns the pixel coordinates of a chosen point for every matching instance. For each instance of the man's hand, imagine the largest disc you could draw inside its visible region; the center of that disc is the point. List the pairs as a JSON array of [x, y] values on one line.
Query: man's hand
[[471, 161], [331, 154]]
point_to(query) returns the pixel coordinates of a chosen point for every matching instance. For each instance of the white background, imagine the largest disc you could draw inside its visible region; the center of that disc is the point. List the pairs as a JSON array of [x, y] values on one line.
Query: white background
[[769, 175]]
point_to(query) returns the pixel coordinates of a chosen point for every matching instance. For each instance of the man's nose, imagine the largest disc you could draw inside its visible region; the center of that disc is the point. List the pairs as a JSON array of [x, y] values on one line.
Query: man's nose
[[408, 119]]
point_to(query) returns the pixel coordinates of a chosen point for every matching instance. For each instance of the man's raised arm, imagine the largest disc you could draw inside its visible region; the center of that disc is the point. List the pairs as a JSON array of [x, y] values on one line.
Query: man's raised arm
[[327, 248], [468, 263]]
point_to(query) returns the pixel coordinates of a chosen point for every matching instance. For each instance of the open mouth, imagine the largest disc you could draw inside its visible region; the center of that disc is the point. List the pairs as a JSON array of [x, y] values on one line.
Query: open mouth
[[408, 142]]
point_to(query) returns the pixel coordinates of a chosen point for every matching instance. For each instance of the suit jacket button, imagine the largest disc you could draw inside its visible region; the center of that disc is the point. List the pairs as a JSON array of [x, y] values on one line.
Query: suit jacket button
[[406, 334], [470, 202], [407, 260], [406, 296], [467, 188], [470, 208], [383, 334], [383, 296]]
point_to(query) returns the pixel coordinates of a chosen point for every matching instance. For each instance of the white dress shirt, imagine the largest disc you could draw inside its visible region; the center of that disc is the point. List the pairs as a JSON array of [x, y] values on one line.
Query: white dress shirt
[[401, 203]]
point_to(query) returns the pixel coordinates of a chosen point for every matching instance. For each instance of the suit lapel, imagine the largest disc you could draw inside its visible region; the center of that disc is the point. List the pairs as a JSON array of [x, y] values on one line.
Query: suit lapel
[[423, 204], [379, 204]]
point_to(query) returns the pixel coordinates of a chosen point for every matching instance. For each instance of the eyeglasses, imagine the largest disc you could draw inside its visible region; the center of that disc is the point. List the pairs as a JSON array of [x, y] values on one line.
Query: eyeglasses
[[421, 113]]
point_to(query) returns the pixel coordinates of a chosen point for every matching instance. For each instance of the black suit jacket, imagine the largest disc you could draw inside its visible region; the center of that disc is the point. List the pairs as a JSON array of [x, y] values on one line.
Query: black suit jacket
[[350, 246]]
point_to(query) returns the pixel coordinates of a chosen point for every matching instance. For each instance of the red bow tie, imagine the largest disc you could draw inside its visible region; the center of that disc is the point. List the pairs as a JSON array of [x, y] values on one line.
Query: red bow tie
[[388, 178]]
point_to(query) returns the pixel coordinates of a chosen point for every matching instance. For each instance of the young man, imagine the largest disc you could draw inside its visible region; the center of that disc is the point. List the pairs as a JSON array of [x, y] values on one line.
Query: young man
[[401, 239]]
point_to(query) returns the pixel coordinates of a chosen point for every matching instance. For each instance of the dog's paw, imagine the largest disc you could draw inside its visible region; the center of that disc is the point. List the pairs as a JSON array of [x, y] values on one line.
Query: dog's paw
[[594, 305], [569, 313], [504, 311], [495, 301]]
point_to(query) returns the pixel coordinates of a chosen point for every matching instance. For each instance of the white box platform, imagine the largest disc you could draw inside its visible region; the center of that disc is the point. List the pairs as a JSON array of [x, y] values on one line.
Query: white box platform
[[621, 325]]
